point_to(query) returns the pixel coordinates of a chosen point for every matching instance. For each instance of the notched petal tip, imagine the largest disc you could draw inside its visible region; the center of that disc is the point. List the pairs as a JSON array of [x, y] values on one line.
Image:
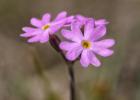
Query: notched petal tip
[[113, 42], [63, 12], [30, 41], [61, 15], [36, 22], [106, 43], [84, 65], [99, 32], [80, 17], [46, 18], [106, 53], [22, 35], [43, 41], [46, 15], [97, 65], [70, 19], [33, 39], [101, 22], [112, 52], [24, 28]]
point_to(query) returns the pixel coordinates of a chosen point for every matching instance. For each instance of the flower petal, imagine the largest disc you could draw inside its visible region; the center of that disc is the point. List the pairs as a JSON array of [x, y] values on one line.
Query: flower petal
[[70, 35], [68, 46], [102, 51], [70, 19], [74, 53], [89, 28], [55, 26], [84, 59], [44, 37], [99, 32], [93, 59], [46, 18], [101, 22], [75, 27], [34, 39], [36, 22], [107, 43], [28, 29], [80, 18], [32, 33], [61, 15]]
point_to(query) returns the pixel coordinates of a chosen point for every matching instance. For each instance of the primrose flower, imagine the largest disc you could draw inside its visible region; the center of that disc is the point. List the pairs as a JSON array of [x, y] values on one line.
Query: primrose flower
[[83, 20], [87, 44], [44, 27]]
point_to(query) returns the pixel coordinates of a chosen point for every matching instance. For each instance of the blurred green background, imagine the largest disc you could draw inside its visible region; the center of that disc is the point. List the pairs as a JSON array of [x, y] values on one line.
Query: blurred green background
[[37, 72]]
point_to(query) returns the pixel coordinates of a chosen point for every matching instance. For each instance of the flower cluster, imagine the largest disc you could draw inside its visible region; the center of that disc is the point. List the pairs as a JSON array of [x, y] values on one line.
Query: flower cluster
[[83, 36]]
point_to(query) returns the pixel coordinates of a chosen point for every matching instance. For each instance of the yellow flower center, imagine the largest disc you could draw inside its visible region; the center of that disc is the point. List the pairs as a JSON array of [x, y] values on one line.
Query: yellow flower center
[[86, 44], [45, 27]]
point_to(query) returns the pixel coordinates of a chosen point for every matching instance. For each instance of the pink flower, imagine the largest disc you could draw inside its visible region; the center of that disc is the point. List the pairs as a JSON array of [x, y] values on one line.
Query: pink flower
[[83, 20], [87, 44], [44, 27]]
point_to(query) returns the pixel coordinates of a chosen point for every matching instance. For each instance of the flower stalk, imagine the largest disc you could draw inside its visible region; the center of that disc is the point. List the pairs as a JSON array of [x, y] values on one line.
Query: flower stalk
[[72, 81], [55, 41]]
